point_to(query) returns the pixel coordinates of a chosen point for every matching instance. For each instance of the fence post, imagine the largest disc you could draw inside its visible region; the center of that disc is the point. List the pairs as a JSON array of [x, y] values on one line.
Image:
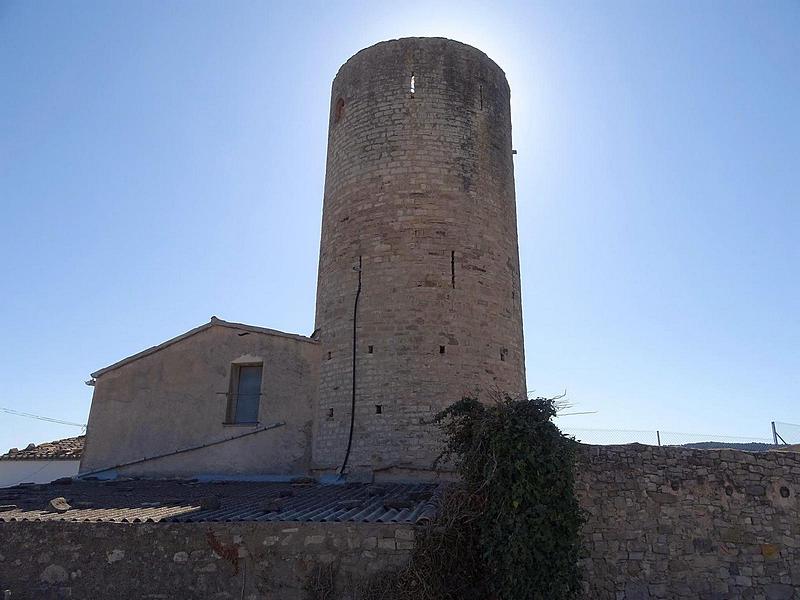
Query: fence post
[[658, 436], [774, 434]]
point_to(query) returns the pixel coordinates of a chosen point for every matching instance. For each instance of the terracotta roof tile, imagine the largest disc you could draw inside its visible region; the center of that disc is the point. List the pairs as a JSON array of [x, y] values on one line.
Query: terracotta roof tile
[[66, 449]]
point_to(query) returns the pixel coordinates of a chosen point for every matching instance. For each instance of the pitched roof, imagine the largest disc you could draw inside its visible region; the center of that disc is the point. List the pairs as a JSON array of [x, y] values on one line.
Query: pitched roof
[[214, 322], [66, 449], [188, 501]]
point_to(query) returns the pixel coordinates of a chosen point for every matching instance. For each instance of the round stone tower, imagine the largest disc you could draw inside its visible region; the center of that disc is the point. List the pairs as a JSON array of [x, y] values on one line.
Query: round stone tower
[[418, 297]]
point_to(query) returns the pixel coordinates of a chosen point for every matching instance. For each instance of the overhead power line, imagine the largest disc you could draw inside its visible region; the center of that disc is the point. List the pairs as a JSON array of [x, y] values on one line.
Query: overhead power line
[[40, 418]]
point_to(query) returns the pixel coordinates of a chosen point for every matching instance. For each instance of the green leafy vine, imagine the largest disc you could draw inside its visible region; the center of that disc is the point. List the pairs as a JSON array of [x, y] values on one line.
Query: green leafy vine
[[511, 529]]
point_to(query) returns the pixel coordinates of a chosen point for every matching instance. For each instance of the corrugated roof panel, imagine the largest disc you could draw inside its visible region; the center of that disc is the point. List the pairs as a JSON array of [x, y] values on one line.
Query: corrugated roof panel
[[180, 501]]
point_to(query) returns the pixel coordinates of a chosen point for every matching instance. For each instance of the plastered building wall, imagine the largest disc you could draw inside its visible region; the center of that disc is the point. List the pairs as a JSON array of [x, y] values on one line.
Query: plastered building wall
[[175, 398], [13, 472], [419, 192]]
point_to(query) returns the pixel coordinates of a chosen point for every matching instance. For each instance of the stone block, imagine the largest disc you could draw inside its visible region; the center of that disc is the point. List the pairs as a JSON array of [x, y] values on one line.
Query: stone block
[[54, 574], [404, 534], [387, 544], [779, 591], [314, 540]]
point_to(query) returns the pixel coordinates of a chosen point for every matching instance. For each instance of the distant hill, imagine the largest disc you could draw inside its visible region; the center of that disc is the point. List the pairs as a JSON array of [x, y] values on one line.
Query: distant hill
[[747, 446]]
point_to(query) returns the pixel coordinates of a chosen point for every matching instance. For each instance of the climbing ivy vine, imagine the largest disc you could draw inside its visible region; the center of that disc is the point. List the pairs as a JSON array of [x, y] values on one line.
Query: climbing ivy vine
[[519, 468], [511, 529]]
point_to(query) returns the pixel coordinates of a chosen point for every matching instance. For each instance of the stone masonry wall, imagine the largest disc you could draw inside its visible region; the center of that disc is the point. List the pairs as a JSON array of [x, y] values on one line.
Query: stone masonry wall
[[421, 187], [690, 524], [664, 523], [191, 561]]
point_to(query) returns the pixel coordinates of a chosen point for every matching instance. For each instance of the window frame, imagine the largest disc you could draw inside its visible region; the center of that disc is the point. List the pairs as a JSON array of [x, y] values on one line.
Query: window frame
[[233, 393]]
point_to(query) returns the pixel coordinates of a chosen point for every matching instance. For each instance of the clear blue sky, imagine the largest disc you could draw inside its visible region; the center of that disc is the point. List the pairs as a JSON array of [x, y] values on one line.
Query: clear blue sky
[[162, 162]]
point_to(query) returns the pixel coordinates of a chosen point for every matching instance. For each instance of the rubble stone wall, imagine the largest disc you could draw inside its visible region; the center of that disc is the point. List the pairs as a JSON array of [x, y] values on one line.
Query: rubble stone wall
[[663, 523], [189, 561], [690, 524]]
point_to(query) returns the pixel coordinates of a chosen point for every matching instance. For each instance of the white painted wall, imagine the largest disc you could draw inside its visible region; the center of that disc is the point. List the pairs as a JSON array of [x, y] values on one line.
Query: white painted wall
[[13, 472]]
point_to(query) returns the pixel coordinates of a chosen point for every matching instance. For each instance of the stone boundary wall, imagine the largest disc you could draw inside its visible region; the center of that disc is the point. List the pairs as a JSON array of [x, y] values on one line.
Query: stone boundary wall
[[663, 523], [188, 561], [690, 524]]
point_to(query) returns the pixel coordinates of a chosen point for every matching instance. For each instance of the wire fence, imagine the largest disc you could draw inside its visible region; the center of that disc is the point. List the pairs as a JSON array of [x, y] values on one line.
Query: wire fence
[[670, 438], [786, 433]]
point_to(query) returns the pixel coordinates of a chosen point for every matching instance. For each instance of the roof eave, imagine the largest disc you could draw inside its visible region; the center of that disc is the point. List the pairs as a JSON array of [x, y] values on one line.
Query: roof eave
[[212, 323]]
